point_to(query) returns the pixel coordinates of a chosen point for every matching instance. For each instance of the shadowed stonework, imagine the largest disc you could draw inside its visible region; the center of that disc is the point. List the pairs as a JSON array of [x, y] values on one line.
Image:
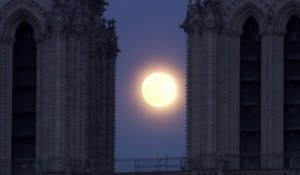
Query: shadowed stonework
[[57, 72], [243, 86]]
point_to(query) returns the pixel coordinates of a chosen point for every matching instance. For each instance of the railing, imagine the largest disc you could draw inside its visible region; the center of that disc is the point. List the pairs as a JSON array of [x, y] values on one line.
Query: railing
[[263, 172], [166, 164], [201, 165], [53, 165], [32, 166], [208, 163]]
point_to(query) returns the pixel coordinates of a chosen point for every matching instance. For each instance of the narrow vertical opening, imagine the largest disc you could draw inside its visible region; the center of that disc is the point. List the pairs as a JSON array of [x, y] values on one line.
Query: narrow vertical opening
[[250, 96], [292, 94], [24, 98]]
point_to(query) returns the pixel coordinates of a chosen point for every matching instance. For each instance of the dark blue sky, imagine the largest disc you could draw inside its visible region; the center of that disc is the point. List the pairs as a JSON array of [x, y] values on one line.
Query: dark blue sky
[[149, 39]]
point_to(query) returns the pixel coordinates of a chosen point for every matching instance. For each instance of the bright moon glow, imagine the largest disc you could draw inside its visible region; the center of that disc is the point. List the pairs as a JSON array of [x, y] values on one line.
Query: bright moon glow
[[159, 90]]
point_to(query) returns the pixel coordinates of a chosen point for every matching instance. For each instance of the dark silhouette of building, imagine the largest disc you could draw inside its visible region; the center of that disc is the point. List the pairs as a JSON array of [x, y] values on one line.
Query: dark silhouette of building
[[57, 75], [243, 86]]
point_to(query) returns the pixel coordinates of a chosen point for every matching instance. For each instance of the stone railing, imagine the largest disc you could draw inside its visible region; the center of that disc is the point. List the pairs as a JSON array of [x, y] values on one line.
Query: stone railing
[[263, 172], [156, 173], [243, 162], [209, 164], [53, 165], [216, 172], [166, 164]]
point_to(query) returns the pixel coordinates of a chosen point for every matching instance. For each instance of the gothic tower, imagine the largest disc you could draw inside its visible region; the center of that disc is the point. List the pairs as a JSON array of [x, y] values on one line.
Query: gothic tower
[[243, 86], [57, 70]]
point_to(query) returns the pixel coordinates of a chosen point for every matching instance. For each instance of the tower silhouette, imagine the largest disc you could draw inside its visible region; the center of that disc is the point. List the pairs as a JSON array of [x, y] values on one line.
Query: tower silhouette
[[57, 72], [243, 101]]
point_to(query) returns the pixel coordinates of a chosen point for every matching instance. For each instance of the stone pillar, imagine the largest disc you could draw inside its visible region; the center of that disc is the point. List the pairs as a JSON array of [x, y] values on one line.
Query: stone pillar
[[208, 96], [54, 96], [77, 94], [202, 55], [195, 132], [223, 96], [110, 138], [43, 120], [96, 98], [5, 104], [272, 99], [234, 99], [95, 114], [103, 52]]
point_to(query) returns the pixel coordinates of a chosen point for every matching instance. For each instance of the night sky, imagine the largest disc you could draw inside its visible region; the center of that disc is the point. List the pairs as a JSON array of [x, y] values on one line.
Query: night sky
[[150, 40]]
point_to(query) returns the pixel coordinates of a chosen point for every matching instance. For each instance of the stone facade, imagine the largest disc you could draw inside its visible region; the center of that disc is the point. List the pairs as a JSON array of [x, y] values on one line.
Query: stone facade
[[75, 76], [216, 75]]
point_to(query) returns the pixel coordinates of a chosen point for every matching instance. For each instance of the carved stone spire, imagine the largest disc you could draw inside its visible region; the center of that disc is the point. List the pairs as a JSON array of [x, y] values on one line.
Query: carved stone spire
[[79, 23], [212, 17], [194, 16], [57, 21], [97, 6]]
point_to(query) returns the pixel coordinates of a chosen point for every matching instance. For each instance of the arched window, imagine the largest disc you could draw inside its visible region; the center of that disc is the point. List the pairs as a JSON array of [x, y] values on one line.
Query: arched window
[[24, 95], [292, 93], [250, 95]]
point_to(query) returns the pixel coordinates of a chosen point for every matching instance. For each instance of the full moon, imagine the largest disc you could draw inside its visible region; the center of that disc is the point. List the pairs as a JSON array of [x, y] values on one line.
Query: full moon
[[159, 90]]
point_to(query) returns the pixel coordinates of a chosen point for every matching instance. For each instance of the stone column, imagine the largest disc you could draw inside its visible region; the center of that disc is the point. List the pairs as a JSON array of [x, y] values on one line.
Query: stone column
[[272, 99], [195, 132], [77, 95], [110, 137], [42, 128], [208, 96], [54, 96], [5, 104], [102, 99], [110, 112], [95, 114], [234, 99], [223, 96]]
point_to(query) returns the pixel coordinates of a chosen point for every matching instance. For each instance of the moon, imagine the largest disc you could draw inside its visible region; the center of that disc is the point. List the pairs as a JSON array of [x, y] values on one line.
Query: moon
[[159, 90]]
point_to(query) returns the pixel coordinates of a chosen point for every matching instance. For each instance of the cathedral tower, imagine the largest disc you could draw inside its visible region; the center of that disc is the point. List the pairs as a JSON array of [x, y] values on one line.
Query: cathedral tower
[[57, 70], [243, 85]]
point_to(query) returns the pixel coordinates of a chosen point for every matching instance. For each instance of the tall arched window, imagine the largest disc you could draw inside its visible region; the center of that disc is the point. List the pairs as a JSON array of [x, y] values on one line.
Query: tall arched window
[[250, 95], [24, 95], [292, 93]]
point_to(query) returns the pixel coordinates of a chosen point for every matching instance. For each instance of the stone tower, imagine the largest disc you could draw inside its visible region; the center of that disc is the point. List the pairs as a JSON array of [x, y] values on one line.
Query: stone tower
[[243, 85], [57, 70]]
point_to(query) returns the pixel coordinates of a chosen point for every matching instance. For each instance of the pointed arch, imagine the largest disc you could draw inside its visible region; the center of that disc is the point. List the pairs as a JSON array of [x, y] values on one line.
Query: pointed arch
[[283, 11], [250, 95], [237, 14], [24, 106], [17, 11], [12, 15]]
